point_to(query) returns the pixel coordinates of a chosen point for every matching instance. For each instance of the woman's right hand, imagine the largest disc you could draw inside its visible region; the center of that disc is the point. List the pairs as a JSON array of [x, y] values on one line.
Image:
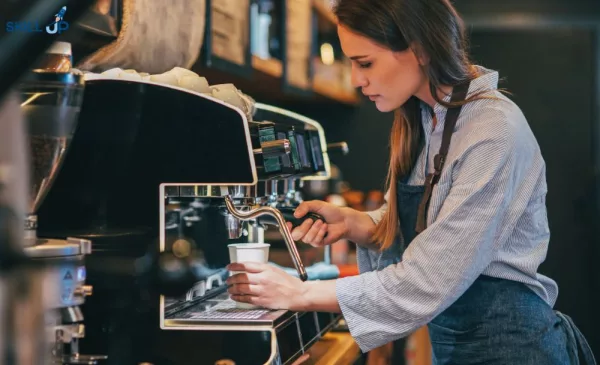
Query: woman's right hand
[[320, 233]]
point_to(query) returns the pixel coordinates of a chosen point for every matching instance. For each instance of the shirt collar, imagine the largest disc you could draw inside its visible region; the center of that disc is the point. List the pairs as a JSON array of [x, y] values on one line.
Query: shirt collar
[[486, 81]]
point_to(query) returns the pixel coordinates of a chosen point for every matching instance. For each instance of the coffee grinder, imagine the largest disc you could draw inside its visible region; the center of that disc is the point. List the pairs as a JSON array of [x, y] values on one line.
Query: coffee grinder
[[50, 103]]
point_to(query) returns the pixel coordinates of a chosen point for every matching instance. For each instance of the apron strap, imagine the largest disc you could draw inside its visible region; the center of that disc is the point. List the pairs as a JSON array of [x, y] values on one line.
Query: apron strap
[[459, 94]]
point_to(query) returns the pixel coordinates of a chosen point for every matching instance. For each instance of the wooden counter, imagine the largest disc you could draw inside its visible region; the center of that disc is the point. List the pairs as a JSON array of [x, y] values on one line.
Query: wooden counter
[[339, 348], [335, 348]]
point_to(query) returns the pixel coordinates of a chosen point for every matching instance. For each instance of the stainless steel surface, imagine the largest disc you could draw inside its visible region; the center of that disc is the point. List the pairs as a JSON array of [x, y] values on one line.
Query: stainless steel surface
[[275, 148], [201, 287], [234, 226], [85, 246], [47, 248], [198, 290], [64, 291], [283, 229], [327, 255], [292, 196], [216, 191], [67, 333], [253, 194], [222, 311], [227, 311], [65, 276], [256, 233], [272, 192], [31, 223], [71, 315]]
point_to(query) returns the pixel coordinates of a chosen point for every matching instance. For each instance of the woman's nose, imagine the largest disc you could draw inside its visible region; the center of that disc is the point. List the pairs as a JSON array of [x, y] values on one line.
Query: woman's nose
[[358, 79]]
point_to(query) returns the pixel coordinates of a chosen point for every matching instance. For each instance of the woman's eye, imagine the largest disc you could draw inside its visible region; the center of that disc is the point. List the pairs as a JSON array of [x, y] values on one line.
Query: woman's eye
[[364, 65]]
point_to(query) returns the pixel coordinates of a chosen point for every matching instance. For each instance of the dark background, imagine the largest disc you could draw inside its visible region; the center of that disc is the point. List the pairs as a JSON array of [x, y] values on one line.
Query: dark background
[[548, 55]]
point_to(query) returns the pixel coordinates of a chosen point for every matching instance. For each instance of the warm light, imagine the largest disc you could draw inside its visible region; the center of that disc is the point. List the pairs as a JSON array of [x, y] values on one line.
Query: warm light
[[327, 55]]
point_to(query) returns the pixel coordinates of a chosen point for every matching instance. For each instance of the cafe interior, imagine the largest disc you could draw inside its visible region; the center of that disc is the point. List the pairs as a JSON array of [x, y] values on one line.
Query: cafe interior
[[144, 143]]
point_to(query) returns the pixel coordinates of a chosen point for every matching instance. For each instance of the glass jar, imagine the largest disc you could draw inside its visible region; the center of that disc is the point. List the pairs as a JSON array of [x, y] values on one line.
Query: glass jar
[[58, 58]]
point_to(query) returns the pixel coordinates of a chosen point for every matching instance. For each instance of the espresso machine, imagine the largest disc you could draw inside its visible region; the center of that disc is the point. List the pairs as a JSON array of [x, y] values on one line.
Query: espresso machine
[[287, 149], [155, 169]]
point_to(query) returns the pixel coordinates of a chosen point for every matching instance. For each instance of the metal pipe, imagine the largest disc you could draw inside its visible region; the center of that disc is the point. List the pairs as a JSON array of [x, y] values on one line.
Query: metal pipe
[[283, 229]]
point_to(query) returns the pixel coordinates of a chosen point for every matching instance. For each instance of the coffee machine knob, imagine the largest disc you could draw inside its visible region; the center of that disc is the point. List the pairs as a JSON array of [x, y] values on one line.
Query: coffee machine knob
[[275, 148], [84, 291], [339, 146]]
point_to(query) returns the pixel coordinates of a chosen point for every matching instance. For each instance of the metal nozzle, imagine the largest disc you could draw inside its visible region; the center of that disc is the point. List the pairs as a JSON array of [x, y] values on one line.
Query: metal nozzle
[[339, 146], [234, 226], [71, 315], [275, 148]]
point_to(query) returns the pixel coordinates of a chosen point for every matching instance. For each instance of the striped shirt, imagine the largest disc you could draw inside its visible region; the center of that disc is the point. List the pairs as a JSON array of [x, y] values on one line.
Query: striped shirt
[[487, 215]]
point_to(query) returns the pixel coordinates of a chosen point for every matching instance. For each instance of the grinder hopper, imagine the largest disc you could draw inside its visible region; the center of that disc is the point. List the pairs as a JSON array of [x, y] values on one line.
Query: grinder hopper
[[50, 103]]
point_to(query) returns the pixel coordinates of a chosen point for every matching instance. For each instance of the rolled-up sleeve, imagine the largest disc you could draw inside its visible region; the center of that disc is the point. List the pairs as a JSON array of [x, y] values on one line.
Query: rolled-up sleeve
[[368, 258], [445, 259]]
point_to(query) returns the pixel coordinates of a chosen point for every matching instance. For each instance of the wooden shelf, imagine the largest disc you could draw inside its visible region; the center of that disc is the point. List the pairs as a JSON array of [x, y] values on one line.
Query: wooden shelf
[[325, 89], [266, 83], [263, 80], [271, 66], [324, 12]]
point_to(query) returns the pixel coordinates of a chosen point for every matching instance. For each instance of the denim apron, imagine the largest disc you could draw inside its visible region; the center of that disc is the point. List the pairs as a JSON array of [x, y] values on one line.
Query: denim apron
[[496, 321]]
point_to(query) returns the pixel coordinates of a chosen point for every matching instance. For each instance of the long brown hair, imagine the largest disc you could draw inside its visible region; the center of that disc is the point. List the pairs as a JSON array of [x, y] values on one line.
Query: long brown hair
[[439, 32]]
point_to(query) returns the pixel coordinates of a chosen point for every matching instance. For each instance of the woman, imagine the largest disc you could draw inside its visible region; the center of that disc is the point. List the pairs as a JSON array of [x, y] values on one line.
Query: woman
[[466, 197]]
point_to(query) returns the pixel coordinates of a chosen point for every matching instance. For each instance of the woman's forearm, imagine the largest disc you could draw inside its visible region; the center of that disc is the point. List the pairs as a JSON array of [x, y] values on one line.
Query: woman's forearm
[[360, 228], [318, 296]]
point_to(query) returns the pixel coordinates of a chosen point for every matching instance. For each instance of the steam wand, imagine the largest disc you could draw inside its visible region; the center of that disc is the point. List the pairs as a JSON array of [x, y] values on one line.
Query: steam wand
[[283, 229]]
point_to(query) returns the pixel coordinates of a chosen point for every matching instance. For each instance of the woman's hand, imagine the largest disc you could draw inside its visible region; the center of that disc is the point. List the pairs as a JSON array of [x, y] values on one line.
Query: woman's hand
[[320, 233], [266, 286]]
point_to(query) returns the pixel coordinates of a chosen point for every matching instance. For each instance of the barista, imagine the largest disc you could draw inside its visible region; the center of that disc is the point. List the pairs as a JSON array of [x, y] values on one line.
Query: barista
[[467, 186]]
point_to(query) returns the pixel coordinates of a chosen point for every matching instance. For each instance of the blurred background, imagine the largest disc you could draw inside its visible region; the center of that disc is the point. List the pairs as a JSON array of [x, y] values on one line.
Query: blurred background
[[286, 53]]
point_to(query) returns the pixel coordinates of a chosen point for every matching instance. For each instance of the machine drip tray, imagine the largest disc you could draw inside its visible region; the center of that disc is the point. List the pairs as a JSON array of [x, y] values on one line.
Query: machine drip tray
[[226, 310], [221, 310], [280, 335]]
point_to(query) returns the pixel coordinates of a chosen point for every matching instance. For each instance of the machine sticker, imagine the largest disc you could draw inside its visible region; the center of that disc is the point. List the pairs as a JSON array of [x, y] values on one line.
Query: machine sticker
[[67, 285], [67, 295], [68, 276]]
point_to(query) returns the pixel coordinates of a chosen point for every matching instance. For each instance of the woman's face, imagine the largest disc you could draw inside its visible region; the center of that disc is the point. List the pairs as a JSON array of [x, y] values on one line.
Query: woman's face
[[388, 78]]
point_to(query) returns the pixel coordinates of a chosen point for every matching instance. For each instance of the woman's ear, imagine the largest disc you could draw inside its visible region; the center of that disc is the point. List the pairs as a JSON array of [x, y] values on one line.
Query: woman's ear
[[420, 53]]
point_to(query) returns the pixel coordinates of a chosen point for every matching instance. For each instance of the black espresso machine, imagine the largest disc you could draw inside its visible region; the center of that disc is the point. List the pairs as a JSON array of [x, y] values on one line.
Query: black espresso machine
[[153, 167]]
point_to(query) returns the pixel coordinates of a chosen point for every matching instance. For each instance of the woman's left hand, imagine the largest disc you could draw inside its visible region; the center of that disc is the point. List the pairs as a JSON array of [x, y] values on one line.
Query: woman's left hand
[[266, 286]]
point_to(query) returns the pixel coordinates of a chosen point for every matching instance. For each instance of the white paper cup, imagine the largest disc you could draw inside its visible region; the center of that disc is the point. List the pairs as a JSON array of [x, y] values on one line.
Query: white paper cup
[[248, 252]]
